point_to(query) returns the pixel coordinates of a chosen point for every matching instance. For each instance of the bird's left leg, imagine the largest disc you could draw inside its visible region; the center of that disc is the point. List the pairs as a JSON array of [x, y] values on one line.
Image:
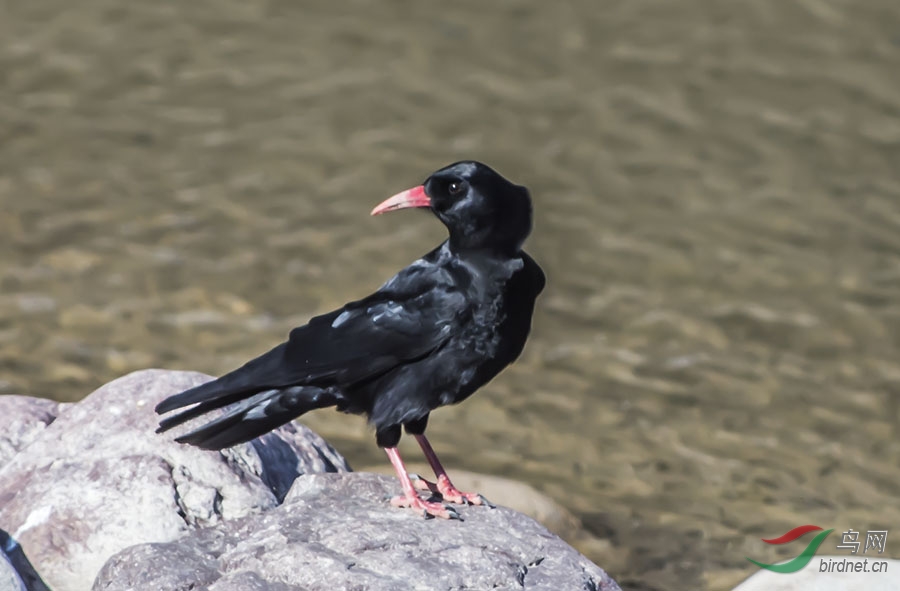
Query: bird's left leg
[[410, 498], [443, 485], [388, 438]]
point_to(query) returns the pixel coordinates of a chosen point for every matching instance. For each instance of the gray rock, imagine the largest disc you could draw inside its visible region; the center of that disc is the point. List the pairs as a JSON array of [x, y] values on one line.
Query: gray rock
[[98, 479], [23, 418], [15, 568], [507, 492], [175, 567], [9, 576], [337, 531], [96, 496]]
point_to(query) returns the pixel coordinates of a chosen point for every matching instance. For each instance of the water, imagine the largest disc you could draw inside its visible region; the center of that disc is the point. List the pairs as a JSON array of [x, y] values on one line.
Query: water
[[717, 194]]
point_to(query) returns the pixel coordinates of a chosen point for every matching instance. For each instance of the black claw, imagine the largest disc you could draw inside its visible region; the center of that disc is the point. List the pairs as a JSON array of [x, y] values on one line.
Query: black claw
[[453, 513], [484, 501]]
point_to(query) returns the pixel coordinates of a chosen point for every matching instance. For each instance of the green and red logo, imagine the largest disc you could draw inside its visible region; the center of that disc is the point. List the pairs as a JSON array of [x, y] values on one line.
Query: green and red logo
[[803, 559]]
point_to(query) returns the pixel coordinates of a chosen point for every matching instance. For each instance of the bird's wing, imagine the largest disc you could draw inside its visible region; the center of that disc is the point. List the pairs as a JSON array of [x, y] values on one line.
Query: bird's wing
[[369, 337], [411, 316]]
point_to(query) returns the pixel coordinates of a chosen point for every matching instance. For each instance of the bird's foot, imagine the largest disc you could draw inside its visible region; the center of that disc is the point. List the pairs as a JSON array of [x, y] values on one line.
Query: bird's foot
[[425, 508], [448, 492]]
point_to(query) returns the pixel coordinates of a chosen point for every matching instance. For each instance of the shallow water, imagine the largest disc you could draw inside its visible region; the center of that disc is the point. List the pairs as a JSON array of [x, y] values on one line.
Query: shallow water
[[716, 358]]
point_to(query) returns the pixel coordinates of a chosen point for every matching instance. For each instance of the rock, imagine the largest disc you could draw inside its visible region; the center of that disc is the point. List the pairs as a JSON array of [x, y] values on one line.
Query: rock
[[98, 479], [16, 573], [9, 577], [176, 566], [526, 499], [337, 531], [95, 496], [509, 493], [23, 418], [811, 578]]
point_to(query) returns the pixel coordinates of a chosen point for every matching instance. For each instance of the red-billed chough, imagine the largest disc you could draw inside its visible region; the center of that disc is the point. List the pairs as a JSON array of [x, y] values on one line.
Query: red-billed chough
[[432, 335]]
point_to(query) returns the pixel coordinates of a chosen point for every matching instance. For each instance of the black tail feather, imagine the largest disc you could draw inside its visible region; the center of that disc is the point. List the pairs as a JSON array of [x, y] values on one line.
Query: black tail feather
[[196, 411], [242, 383], [205, 393], [232, 429], [252, 417]]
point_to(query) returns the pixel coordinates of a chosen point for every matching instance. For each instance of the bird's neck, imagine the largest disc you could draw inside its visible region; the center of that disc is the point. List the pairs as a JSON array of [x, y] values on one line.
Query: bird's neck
[[484, 244]]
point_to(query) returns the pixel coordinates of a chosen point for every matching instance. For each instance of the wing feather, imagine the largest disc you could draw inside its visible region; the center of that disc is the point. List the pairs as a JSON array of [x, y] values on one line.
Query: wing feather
[[411, 316]]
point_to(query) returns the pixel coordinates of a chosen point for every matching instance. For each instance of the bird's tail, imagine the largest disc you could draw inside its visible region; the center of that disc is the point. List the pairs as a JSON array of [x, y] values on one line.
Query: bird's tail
[[251, 417]]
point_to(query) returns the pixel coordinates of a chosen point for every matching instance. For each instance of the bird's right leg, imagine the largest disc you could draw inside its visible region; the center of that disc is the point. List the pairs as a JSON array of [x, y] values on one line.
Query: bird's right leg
[[410, 498], [443, 486]]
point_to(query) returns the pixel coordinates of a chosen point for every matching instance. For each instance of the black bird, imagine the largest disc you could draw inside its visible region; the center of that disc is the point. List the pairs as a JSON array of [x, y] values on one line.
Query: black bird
[[432, 335]]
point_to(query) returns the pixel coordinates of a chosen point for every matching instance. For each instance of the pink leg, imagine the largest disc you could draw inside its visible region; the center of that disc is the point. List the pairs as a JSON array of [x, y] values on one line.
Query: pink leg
[[443, 485], [410, 498]]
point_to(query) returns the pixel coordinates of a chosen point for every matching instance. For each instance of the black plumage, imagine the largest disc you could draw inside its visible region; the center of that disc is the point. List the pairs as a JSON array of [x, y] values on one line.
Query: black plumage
[[431, 336]]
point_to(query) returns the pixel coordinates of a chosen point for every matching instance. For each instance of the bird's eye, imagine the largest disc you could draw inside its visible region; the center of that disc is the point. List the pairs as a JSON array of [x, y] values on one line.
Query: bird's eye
[[456, 187]]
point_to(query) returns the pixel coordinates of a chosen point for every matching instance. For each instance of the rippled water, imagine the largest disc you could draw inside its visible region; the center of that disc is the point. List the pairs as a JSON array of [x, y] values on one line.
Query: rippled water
[[717, 356]]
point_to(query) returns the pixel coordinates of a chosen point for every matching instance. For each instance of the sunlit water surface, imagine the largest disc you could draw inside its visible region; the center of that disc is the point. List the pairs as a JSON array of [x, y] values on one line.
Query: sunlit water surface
[[717, 187]]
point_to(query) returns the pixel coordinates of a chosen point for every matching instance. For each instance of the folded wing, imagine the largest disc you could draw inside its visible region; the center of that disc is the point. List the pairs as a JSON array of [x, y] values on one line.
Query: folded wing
[[358, 342]]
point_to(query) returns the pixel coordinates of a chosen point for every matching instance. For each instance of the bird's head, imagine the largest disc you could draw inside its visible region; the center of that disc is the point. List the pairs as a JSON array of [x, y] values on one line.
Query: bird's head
[[481, 209]]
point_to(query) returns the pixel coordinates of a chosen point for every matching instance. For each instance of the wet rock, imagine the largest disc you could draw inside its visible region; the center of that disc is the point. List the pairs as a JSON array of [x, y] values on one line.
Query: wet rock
[[336, 531], [23, 418], [97, 479]]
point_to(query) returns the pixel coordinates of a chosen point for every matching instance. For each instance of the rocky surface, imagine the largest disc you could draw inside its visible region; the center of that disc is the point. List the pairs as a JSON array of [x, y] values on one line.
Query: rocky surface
[[507, 492], [90, 495], [23, 418], [16, 572], [9, 578], [97, 479], [336, 531]]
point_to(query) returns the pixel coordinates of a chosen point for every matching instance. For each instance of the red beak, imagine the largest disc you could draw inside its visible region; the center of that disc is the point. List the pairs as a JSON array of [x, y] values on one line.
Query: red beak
[[414, 197]]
